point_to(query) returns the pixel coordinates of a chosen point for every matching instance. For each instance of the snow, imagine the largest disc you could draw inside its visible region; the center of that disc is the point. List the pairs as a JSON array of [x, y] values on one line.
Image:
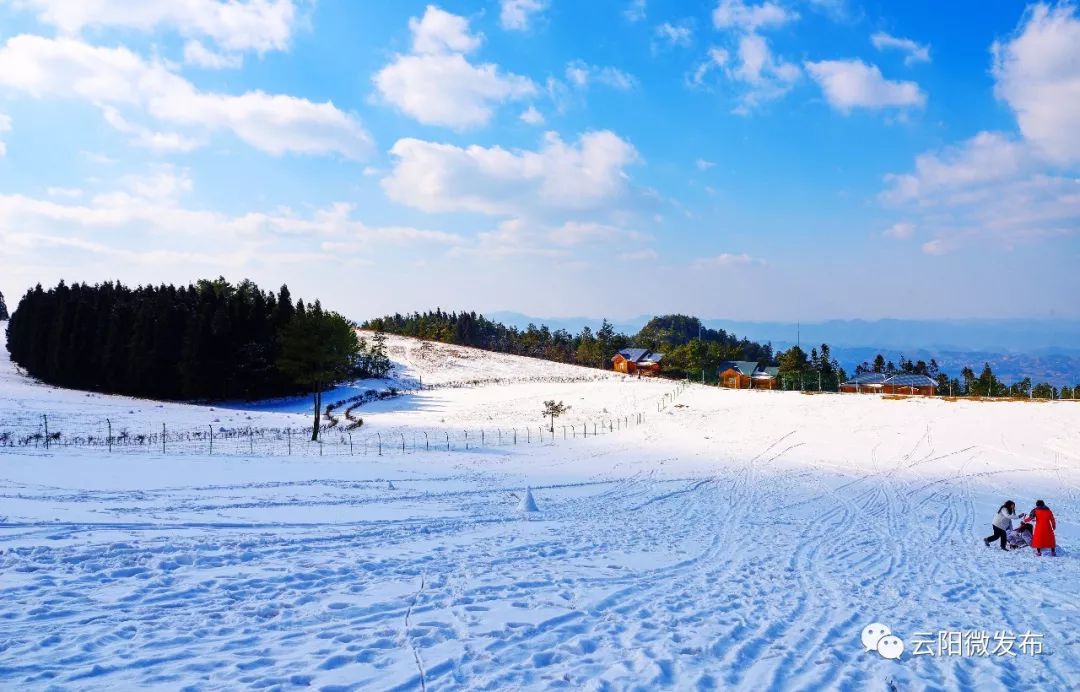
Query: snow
[[733, 539]]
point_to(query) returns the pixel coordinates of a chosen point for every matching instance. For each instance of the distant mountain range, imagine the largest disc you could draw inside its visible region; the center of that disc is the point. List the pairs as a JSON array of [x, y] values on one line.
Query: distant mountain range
[[1044, 349]]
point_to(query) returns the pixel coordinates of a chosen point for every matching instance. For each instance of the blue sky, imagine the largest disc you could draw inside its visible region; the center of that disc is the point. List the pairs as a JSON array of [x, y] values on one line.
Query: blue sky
[[774, 161]]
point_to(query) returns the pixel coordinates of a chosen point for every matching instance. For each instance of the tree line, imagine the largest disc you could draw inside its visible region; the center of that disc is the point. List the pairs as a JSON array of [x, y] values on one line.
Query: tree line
[[984, 384], [688, 346], [210, 340]]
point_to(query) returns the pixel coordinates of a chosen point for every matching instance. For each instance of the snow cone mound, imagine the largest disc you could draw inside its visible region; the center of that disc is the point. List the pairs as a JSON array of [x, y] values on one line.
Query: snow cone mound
[[528, 502]]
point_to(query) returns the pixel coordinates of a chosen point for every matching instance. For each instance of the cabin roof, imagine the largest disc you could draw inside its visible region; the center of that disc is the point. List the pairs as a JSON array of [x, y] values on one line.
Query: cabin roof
[[744, 367], [641, 355], [867, 378], [908, 380]]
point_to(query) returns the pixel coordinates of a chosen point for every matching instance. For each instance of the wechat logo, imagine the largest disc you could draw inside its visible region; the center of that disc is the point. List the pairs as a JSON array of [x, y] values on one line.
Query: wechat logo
[[878, 637]]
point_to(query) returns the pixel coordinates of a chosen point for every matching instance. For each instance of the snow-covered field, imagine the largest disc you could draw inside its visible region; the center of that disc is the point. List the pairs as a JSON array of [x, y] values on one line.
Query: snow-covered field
[[732, 540]]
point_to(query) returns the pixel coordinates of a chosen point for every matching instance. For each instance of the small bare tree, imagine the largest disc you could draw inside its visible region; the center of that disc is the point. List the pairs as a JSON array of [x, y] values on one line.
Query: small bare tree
[[554, 410]]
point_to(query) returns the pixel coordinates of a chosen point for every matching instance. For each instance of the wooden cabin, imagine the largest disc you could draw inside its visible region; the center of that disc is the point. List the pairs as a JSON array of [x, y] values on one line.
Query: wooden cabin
[[921, 385], [737, 374], [637, 361], [765, 378], [864, 383]]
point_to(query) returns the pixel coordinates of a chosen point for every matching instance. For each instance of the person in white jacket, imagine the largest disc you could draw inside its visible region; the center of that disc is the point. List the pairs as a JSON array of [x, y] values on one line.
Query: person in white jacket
[[1002, 524]]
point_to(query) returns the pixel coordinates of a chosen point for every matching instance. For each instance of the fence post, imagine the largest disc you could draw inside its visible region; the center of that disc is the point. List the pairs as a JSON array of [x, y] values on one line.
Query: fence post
[[211, 439], [528, 435], [402, 442], [466, 439], [380, 442], [251, 440], [162, 438], [350, 444], [515, 435], [288, 436], [482, 443], [564, 432], [109, 437], [427, 445], [45, 416], [448, 442]]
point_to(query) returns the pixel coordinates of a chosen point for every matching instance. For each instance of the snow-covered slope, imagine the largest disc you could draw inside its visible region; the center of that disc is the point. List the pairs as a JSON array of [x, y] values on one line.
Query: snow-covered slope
[[437, 363], [733, 540]]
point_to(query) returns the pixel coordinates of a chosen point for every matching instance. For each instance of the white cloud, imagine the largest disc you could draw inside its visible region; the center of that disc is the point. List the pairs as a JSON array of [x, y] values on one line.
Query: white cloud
[[117, 79], [914, 52], [582, 232], [5, 126], [532, 116], [162, 183], [581, 74], [439, 31], [195, 53], [234, 25], [736, 14], [1000, 189], [935, 247], [161, 142], [752, 63], [638, 255], [991, 187], [65, 192], [635, 10], [901, 230], [143, 222], [725, 259], [988, 157], [716, 57], [437, 85], [1037, 74], [849, 84], [516, 15], [703, 165], [448, 90], [758, 66], [674, 34], [522, 237], [765, 76], [563, 176]]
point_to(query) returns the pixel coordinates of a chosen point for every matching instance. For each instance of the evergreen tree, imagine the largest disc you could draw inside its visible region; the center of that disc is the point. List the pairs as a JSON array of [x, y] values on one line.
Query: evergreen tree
[[793, 365], [317, 349], [377, 360], [553, 410], [3, 308], [210, 340]]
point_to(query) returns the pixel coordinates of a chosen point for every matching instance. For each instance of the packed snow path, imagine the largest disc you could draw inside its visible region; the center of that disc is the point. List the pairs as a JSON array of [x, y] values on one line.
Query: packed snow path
[[740, 540]]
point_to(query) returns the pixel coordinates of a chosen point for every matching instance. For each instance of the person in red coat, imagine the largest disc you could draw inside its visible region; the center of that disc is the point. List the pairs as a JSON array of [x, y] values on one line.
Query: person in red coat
[[1045, 524]]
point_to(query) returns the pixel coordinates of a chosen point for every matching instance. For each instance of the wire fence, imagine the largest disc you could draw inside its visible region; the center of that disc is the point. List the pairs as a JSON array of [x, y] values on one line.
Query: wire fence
[[58, 433]]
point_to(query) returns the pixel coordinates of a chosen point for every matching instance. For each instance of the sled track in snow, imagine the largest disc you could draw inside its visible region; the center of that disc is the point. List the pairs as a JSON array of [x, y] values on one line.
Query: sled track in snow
[[746, 576]]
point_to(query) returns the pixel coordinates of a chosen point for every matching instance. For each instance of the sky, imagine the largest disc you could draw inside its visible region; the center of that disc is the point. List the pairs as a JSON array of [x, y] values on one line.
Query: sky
[[775, 160]]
